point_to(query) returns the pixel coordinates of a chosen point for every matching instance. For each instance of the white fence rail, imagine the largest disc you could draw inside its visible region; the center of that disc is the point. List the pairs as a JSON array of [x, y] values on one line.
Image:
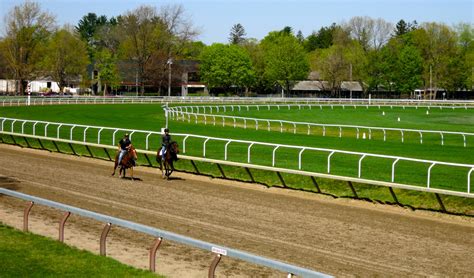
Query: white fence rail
[[15, 124], [181, 113], [18, 101]]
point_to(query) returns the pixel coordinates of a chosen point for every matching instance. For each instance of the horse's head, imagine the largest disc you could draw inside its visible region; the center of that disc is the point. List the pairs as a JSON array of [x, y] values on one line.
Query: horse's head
[[174, 147], [133, 152]]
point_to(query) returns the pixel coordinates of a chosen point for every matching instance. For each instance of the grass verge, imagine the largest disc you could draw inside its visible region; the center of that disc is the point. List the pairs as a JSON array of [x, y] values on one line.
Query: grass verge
[[29, 255]]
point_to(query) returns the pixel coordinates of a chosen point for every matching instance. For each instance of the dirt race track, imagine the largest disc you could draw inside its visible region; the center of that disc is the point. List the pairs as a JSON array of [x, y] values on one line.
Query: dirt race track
[[337, 236]]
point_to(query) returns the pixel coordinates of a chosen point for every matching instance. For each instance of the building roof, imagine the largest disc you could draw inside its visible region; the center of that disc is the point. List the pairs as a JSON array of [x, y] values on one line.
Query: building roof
[[351, 86], [308, 85]]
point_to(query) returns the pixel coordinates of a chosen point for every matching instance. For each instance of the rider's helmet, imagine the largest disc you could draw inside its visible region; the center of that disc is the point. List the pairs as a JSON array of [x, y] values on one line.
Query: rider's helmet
[[167, 130], [126, 135]]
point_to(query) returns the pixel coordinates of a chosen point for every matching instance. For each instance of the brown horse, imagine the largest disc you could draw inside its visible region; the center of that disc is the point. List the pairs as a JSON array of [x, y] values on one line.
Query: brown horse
[[171, 155], [128, 161]]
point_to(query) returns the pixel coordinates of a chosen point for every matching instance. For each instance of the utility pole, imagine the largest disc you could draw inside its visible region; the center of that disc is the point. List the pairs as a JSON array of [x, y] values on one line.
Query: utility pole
[[350, 78], [431, 83], [169, 62], [136, 82]]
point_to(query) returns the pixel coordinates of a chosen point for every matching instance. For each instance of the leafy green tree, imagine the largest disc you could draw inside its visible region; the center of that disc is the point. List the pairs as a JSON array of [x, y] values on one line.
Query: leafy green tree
[[408, 74], [106, 64], [192, 50], [333, 68], [438, 45], [285, 59], [322, 39], [66, 58], [465, 34], [237, 34], [256, 54], [225, 66], [27, 30], [140, 31], [152, 39], [345, 60], [381, 67], [358, 63]]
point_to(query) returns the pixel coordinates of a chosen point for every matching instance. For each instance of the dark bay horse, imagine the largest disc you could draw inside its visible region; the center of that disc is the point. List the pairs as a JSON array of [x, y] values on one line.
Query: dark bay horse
[[128, 161], [167, 161]]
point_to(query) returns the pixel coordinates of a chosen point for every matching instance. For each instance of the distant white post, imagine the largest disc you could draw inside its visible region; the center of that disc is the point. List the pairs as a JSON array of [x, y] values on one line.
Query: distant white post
[[166, 115], [28, 90]]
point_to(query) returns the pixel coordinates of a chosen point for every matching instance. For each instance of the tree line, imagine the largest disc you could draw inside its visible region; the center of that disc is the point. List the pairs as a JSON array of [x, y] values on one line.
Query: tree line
[[141, 44], [379, 55]]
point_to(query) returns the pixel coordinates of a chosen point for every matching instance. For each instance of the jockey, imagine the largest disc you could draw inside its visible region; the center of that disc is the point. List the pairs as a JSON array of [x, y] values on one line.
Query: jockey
[[165, 141], [124, 145]]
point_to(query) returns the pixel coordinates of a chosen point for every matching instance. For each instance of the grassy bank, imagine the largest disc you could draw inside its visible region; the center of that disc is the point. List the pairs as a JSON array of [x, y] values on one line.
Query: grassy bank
[[29, 255]]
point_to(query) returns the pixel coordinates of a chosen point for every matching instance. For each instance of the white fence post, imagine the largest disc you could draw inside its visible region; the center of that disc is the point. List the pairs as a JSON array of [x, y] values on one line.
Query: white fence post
[[299, 158], [204, 147], [273, 156], [429, 175], [329, 161], [85, 134], [393, 169], [360, 165], [248, 152], [57, 130]]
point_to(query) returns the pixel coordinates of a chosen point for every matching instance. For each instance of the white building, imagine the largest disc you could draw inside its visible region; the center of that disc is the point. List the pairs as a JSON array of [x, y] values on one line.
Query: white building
[[44, 85], [7, 86]]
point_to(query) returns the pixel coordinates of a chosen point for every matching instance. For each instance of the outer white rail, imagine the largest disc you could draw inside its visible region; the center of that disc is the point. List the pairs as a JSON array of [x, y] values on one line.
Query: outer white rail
[[18, 101], [249, 144], [182, 113], [158, 233]]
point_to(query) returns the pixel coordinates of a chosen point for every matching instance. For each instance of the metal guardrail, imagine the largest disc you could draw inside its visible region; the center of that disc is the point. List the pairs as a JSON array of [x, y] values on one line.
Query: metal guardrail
[[17, 101], [162, 234], [250, 144], [178, 113]]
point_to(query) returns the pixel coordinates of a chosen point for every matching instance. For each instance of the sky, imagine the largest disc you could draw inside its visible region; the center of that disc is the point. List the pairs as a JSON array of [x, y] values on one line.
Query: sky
[[215, 18]]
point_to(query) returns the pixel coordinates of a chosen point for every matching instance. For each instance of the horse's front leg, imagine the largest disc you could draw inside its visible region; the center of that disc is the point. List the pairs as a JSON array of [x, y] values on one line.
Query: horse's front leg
[[171, 169], [167, 170], [131, 173], [115, 168]]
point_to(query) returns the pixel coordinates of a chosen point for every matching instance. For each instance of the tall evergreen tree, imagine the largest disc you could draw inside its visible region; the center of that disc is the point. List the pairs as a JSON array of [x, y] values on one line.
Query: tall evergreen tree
[[322, 39], [401, 28], [300, 37], [88, 27], [237, 34]]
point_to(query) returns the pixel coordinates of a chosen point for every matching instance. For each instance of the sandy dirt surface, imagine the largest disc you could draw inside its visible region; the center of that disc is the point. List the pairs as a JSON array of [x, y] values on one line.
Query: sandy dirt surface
[[337, 236]]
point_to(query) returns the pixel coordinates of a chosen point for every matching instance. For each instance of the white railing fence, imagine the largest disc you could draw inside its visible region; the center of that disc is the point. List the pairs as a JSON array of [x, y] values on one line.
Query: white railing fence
[[307, 127], [18, 101], [93, 134]]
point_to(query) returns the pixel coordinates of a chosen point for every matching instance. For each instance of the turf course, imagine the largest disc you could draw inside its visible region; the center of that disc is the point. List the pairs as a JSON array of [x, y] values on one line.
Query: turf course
[[151, 117]]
